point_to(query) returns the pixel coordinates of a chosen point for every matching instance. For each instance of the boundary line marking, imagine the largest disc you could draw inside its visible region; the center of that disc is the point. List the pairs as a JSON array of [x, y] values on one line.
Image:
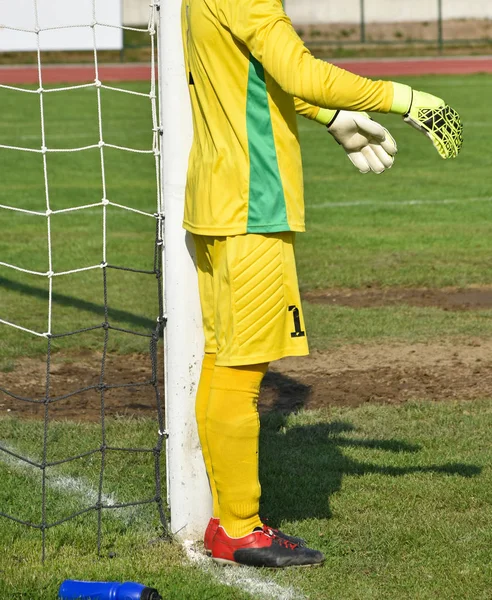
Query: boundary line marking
[[357, 203], [64, 483]]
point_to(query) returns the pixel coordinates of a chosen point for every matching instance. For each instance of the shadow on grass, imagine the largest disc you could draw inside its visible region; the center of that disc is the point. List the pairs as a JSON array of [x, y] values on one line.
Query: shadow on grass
[[73, 302], [303, 466]]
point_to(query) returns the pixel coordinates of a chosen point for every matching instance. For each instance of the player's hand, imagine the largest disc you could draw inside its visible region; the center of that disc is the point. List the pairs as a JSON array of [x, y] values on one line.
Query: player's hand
[[430, 115], [438, 121], [369, 145]]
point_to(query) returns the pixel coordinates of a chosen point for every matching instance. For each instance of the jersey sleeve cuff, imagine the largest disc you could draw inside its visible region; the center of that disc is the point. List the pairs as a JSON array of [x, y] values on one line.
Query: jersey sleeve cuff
[[325, 116], [402, 99]]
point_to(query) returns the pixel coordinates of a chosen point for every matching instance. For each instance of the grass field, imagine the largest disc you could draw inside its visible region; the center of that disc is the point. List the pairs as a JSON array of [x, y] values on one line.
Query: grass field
[[398, 497]]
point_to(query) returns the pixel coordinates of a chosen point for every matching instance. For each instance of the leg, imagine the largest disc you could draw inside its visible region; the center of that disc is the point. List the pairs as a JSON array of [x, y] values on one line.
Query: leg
[[232, 429], [256, 317], [204, 247], [201, 410]]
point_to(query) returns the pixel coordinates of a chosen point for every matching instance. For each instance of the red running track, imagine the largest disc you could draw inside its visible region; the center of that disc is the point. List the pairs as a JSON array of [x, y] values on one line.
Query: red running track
[[16, 75], [418, 66]]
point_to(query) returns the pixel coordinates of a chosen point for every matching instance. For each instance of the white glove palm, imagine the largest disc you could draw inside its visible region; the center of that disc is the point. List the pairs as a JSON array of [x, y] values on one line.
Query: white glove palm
[[369, 145]]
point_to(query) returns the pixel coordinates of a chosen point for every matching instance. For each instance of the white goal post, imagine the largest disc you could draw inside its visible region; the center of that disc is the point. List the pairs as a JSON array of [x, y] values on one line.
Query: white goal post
[[188, 490]]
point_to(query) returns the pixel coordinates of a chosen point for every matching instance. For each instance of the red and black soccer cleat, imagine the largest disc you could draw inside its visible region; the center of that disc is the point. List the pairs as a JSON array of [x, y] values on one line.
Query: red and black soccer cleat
[[262, 549], [214, 523]]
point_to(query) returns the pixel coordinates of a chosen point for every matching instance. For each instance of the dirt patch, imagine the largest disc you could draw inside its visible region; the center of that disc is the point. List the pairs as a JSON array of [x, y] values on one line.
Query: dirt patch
[[458, 299], [352, 375], [396, 373], [128, 377]]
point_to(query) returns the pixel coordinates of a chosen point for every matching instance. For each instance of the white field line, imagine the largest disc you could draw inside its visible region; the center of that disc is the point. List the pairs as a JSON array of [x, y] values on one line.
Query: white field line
[[247, 579], [350, 203], [75, 486], [79, 487], [243, 578]]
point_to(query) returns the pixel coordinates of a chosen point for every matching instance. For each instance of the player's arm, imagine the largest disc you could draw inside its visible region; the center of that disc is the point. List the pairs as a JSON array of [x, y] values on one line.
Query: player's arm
[[369, 145], [267, 32]]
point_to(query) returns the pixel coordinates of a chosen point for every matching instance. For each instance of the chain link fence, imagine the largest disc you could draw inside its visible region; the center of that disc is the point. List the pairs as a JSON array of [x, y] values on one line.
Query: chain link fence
[[437, 24]]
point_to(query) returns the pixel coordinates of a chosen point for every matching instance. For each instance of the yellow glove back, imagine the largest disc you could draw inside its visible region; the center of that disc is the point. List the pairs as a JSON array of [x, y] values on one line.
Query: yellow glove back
[[433, 117]]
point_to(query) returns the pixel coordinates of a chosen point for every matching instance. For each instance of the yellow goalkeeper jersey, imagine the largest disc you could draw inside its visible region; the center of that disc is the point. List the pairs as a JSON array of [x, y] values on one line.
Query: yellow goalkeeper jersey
[[248, 73]]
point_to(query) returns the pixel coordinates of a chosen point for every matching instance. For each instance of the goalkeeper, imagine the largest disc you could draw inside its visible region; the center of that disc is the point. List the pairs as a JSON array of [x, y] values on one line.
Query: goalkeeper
[[248, 74]]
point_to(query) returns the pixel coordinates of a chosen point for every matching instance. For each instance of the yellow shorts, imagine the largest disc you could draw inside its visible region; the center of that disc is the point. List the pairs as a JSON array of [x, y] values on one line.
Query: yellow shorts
[[249, 295]]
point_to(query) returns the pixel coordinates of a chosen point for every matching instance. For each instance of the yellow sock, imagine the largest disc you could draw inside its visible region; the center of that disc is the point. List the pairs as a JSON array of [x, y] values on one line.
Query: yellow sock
[[201, 408], [233, 429]]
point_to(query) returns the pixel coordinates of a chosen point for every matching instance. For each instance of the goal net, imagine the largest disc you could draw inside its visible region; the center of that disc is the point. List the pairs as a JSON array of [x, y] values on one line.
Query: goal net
[[83, 311]]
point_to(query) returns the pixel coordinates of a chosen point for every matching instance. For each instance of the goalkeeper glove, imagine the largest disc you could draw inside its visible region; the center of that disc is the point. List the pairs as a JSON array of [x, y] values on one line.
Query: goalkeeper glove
[[369, 146], [432, 116]]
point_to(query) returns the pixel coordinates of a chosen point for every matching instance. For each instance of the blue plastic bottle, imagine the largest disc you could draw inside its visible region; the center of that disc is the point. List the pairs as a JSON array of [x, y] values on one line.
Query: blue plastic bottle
[[71, 589]]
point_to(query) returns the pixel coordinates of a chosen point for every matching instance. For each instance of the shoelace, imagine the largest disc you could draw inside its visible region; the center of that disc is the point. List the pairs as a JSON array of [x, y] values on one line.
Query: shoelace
[[270, 530], [278, 533], [279, 540]]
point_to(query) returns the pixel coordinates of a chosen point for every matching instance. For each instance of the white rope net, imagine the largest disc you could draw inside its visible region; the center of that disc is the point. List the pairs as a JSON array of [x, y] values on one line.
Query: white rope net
[[106, 201], [44, 150]]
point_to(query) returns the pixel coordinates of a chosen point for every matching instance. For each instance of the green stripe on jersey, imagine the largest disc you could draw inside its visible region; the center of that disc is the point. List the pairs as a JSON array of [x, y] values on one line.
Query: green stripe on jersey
[[266, 210]]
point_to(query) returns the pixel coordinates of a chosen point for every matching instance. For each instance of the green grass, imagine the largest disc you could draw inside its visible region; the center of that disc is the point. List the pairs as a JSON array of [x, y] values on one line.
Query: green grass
[[338, 325], [384, 241], [398, 497]]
